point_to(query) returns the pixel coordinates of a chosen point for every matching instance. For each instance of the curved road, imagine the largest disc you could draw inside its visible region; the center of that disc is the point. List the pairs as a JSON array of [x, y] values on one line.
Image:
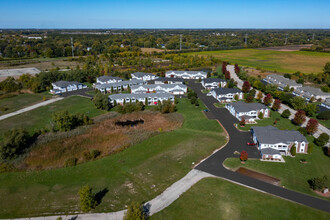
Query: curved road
[[238, 139]]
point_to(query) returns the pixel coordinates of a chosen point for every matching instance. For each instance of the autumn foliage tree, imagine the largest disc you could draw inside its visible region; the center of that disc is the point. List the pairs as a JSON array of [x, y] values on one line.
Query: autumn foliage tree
[[277, 105], [246, 87], [299, 117], [268, 99], [227, 75], [242, 122], [224, 67], [244, 156], [312, 126], [237, 69]]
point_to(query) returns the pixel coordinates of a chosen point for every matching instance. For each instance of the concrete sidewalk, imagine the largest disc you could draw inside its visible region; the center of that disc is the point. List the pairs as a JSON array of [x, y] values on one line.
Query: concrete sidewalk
[[2, 117]]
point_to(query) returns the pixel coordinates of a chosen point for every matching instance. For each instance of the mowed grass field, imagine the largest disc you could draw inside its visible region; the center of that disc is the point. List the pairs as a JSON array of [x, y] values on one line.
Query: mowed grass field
[[213, 198], [281, 61], [138, 173], [41, 117], [20, 101]]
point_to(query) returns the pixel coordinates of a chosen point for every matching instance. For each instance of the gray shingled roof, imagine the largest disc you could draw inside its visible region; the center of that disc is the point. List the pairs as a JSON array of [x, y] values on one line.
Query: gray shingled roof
[[269, 151], [187, 72], [107, 78], [163, 79], [63, 84], [162, 95], [272, 135], [141, 74], [121, 83], [282, 80], [308, 90], [152, 86], [223, 91], [211, 80], [246, 107]]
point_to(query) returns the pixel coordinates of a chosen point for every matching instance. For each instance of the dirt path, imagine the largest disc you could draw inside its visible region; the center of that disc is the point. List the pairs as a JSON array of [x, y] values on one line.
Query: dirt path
[[2, 117]]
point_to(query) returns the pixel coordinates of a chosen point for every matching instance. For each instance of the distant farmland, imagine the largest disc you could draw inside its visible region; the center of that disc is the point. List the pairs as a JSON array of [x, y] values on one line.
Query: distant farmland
[[281, 61]]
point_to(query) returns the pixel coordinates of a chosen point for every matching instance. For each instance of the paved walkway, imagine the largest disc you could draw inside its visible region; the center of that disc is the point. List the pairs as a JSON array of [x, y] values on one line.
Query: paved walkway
[[157, 204], [2, 117]]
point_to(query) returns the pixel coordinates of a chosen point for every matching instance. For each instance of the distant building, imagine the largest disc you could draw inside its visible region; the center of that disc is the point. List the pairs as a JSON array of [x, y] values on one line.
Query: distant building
[[66, 86], [150, 98], [308, 92], [249, 111], [143, 76], [175, 89], [108, 79], [281, 140], [186, 74], [226, 94], [212, 83], [281, 81], [165, 80], [119, 86]]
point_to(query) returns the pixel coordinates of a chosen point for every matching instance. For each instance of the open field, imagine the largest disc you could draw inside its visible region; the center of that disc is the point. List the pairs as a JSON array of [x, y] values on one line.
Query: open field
[[105, 136], [150, 50], [280, 61], [19, 101], [138, 173], [287, 47], [293, 174], [213, 198], [41, 117], [40, 63]]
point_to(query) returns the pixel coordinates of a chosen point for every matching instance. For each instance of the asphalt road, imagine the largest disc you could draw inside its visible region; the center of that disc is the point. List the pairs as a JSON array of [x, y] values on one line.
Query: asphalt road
[[237, 142]]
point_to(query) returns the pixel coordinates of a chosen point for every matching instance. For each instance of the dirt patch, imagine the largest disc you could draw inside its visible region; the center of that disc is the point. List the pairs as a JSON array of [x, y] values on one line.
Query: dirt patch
[[258, 176], [54, 149], [288, 47], [254, 72], [43, 65], [150, 50]]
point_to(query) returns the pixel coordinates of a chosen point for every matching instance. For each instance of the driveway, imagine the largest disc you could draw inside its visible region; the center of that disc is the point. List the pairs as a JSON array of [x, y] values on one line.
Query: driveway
[[237, 141]]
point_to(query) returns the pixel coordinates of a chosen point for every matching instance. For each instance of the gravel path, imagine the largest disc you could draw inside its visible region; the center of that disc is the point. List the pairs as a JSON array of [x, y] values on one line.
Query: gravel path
[[30, 108]]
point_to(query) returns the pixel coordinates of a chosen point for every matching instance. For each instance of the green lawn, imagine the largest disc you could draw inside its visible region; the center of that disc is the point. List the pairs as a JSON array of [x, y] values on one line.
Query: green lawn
[[282, 124], [219, 104], [139, 173], [40, 117], [20, 101], [293, 174], [281, 61], [213, 198]]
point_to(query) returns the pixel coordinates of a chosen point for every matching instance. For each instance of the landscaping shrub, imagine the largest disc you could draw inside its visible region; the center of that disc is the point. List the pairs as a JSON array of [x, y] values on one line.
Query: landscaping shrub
[[293, 150], [302, 131], [71, 162], [129, 108], [286, 113], [135, 211], [324, 115], [244, 156], [318, 183], [261, 115], [322, 139], [87, 199], [299, 117], [66, 122]]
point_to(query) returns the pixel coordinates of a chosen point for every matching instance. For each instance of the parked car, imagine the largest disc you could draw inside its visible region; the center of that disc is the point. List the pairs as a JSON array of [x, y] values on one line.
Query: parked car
[[251, 143], [206, 110], [209, 94]]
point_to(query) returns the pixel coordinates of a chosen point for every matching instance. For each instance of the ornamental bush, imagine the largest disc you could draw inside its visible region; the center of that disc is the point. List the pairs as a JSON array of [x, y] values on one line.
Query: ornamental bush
[[244, 156]]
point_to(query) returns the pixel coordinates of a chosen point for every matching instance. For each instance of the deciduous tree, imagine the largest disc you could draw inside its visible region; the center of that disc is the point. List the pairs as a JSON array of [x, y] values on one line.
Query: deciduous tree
[[246, 87], [227, 75], [244, 156], [268, 99], [299, 117], [276, 105], [312, 126]]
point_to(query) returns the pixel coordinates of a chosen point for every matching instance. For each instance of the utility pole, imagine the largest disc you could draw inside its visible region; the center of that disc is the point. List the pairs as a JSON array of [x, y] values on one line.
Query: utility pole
[[72, 47], [246, 37], [286, 39], [180, 42]]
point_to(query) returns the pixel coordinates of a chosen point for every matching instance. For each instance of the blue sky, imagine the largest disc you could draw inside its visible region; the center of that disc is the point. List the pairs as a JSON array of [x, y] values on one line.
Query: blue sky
[[164, 14]]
